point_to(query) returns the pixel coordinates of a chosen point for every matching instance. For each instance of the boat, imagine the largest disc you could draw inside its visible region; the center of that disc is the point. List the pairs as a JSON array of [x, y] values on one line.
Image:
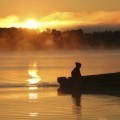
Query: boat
[[98, 81]]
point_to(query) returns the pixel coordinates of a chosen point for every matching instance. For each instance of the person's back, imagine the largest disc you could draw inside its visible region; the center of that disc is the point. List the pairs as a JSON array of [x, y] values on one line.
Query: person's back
[[76, 71]]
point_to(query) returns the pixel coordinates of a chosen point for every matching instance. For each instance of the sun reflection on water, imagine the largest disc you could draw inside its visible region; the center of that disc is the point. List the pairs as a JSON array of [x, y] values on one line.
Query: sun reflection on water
[[33, 88], [33, 95], [33, 99], [33, 114], [33, 73]]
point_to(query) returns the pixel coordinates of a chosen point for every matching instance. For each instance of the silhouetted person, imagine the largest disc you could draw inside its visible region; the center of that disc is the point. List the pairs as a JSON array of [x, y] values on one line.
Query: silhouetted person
[[76, 71]]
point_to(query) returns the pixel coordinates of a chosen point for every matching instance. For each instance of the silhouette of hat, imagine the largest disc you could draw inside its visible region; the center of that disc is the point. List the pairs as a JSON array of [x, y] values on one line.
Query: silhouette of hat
[[78, 64]]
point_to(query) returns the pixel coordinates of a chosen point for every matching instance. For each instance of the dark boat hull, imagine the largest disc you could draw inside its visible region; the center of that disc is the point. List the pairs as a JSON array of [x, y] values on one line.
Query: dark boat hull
[[100, 81]]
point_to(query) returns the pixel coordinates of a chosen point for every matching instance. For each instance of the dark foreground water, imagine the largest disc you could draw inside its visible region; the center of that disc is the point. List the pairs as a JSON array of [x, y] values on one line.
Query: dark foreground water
[[34, 103]]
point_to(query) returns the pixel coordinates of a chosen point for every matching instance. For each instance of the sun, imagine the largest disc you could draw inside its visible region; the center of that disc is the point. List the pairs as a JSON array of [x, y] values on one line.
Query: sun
[[31, 24]]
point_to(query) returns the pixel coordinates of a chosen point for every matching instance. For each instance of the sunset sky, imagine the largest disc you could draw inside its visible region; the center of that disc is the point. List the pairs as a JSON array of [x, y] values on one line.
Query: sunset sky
[[42, 14]]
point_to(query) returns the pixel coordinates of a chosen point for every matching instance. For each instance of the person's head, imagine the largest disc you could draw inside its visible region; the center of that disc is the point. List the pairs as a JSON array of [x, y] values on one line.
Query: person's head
[[78, 65]]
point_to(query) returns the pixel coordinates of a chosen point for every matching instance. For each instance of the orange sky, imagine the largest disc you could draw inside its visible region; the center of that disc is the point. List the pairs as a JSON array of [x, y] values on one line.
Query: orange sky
[[57, 14]]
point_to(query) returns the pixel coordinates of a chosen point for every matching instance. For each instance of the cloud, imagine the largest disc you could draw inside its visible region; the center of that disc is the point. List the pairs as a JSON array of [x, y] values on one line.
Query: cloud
[[9, 21], [68, 19], [86, 18]]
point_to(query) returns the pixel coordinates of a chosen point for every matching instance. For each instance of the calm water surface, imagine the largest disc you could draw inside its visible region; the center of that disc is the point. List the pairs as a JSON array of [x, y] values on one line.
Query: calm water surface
[[16, 67], [46, 103]]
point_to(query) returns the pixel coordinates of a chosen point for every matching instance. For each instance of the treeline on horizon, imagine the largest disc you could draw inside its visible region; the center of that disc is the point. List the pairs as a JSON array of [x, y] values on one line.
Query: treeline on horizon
[[21, 39]]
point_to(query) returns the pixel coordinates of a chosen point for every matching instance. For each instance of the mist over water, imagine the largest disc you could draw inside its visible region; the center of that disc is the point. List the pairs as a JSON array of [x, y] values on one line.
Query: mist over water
[[19, 68], [18, 39]]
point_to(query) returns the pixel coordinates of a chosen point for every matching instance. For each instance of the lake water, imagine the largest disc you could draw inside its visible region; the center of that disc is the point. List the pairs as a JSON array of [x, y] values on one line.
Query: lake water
[[46, 102]]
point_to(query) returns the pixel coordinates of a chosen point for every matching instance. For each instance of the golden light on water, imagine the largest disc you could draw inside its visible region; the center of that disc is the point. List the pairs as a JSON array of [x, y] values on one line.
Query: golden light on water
[[33, 73], [33, 88], [33, 114], [33, 96]]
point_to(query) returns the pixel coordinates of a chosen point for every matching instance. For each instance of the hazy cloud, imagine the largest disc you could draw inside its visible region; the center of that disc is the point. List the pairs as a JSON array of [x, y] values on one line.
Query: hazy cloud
[[60, 20]]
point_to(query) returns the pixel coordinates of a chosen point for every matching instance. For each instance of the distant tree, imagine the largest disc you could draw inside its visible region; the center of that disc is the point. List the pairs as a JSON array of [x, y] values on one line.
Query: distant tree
[[26, 39]]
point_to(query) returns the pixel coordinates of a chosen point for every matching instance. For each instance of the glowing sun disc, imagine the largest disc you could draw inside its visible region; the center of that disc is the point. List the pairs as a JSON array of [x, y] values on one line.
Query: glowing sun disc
[[31, 24]]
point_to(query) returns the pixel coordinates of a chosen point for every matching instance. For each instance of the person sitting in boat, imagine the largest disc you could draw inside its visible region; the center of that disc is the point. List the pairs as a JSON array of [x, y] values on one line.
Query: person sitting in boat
[[76, 71]]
